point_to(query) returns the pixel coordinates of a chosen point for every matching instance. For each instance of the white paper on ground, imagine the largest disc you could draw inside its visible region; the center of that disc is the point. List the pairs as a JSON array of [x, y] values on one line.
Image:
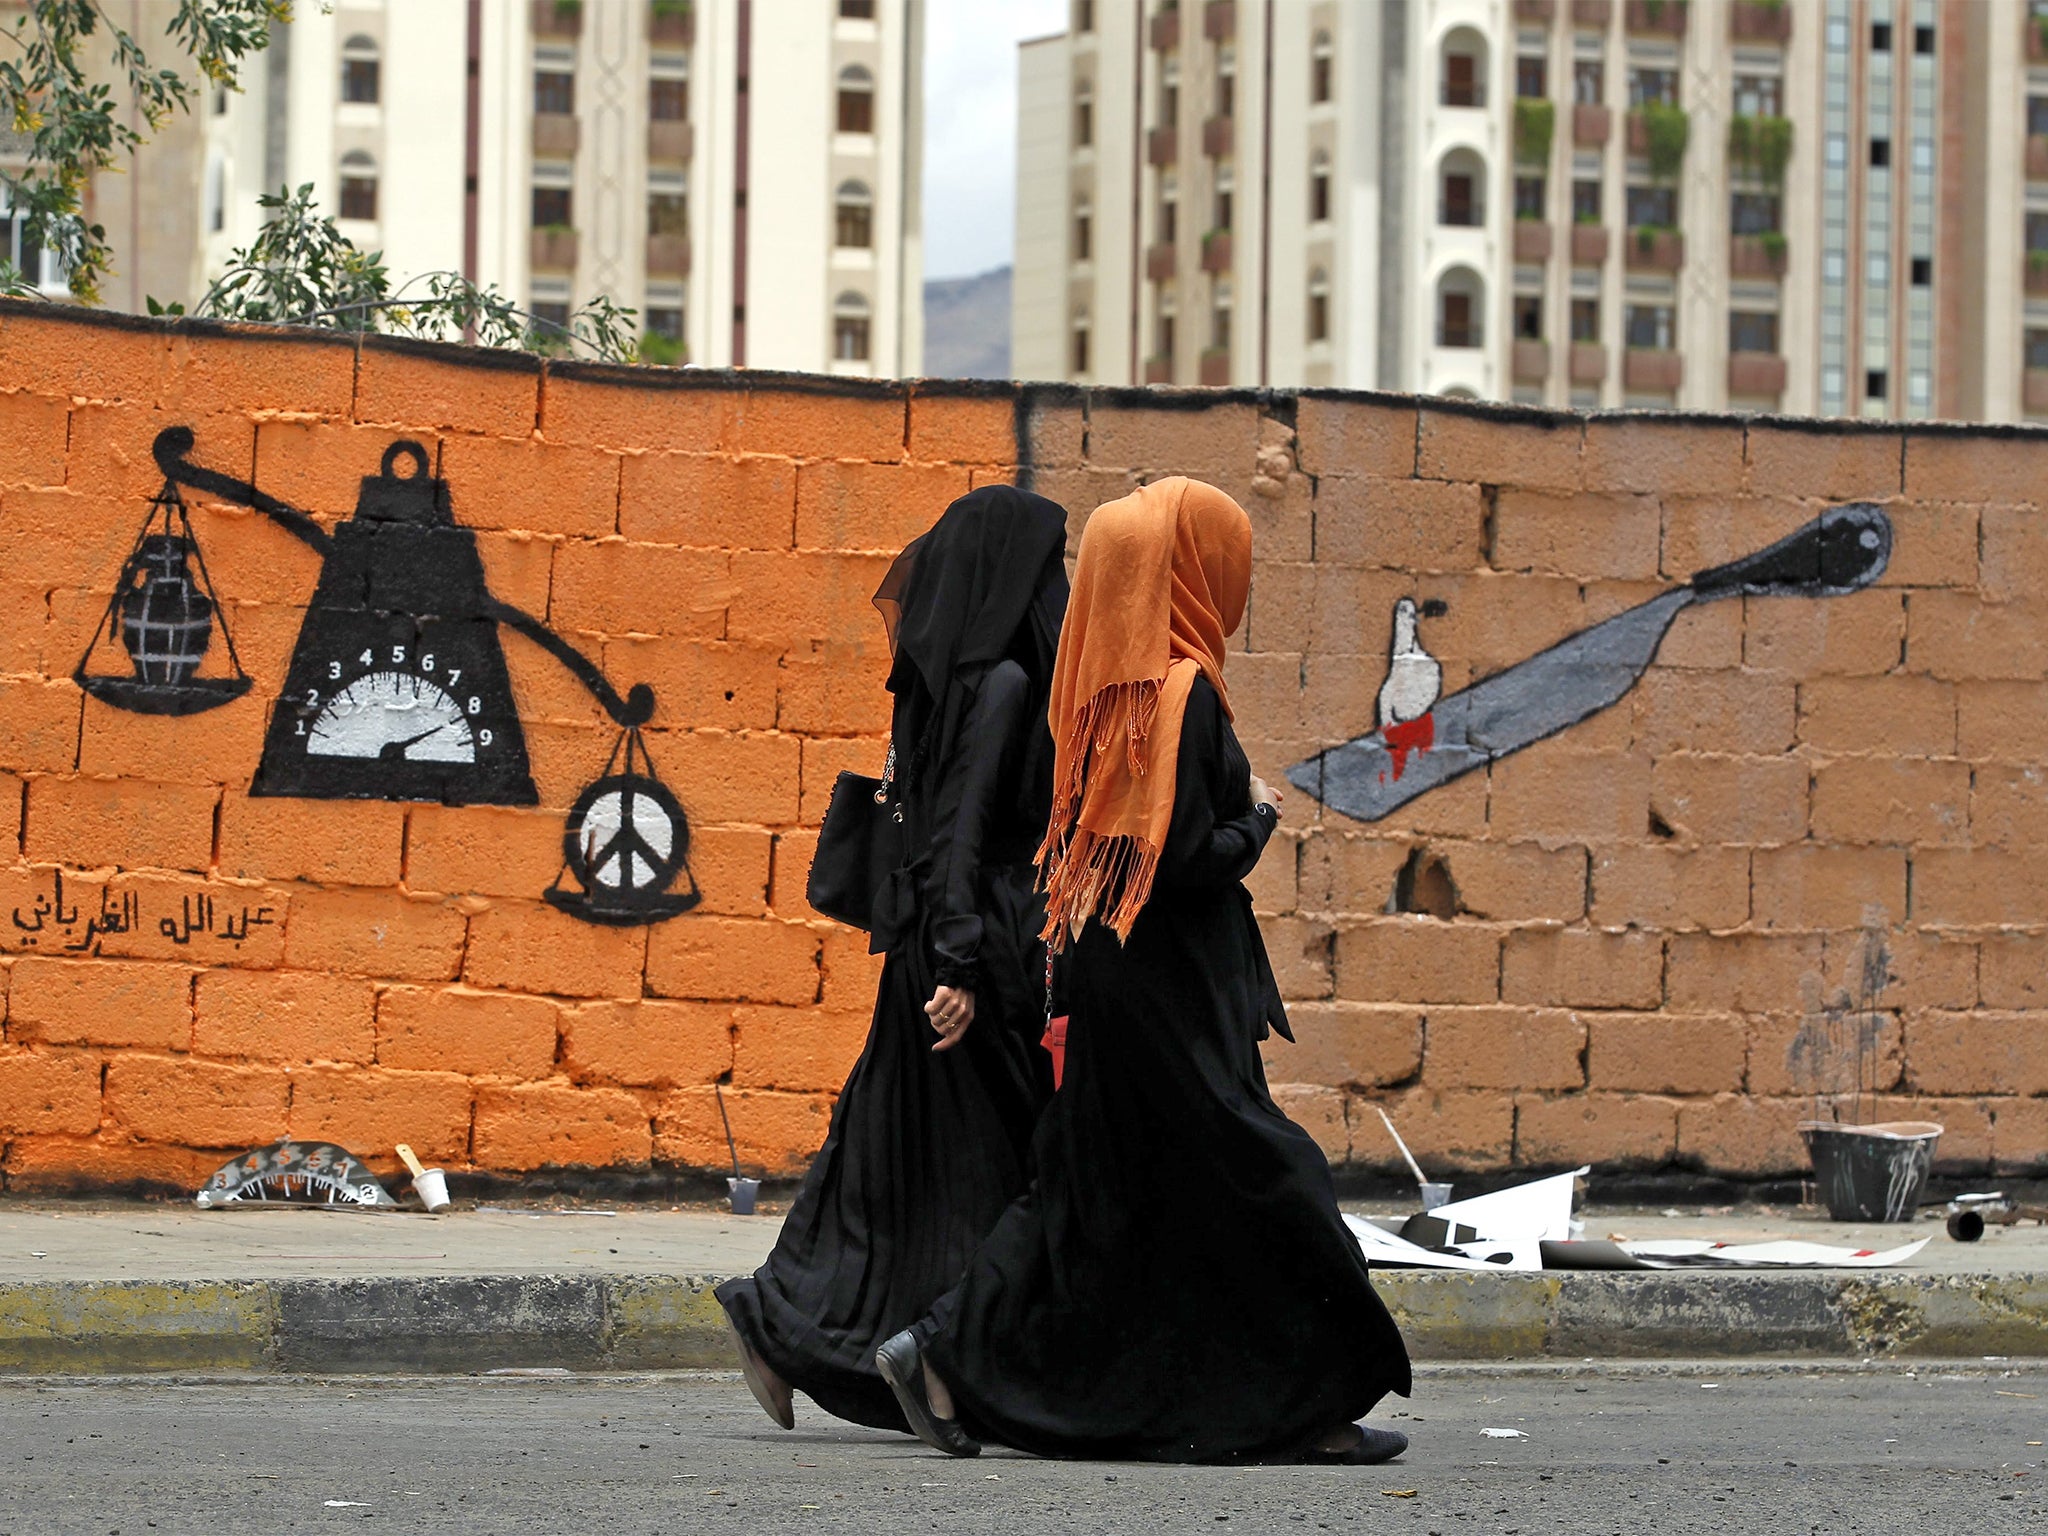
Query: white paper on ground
[[1541, 1209], [1785, 1254], [1503, 1434], [1383, 1247]]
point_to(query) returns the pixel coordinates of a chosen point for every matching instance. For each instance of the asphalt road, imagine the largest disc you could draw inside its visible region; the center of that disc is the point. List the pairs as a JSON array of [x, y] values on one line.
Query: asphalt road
[[1926, 1453]]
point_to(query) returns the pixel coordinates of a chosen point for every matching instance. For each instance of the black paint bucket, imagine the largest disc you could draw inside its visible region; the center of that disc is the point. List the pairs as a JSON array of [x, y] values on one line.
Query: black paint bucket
[[1871, 1172]]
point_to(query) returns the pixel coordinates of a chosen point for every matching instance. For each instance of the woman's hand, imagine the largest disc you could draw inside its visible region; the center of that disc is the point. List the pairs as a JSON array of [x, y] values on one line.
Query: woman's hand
[[1265, 794], [951, 1010]]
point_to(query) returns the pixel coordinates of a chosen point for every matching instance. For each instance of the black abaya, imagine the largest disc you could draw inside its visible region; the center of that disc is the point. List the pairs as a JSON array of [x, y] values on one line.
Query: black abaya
[[1178, 1283]]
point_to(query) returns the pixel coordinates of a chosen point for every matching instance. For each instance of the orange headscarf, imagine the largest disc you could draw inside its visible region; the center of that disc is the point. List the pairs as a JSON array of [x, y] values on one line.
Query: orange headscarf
[[1159, 586]]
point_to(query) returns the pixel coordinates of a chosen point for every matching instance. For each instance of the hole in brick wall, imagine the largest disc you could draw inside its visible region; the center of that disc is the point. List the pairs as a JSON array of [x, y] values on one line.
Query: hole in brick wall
[[728, 695], [1424, 886], [1659, 827]]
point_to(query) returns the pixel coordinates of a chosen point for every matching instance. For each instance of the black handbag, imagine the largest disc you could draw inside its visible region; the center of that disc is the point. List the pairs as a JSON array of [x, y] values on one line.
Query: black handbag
[[859, 847]]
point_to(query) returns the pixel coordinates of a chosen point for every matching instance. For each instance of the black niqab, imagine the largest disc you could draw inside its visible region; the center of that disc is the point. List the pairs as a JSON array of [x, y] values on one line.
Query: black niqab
[[987, 582]]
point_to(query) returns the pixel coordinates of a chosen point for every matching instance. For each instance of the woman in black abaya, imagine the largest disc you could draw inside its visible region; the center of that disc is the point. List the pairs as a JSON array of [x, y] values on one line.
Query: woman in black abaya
[[931, 1136], [1178, 1283]]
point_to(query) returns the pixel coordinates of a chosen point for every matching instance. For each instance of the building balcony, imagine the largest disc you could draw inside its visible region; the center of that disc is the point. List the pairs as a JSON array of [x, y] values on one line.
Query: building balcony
[[1753, 374], [1591, 124], [1760, 21], [1162, 145], [1161, 260], [1589, 245], [2036, 29], [552, 248], [1216, 251], [1588, 363], [1655, 250], [670, 142], [1158, 370], [1464, 337], [1532, 361], [1655, 18], [1756, 255], [668, 255], [672, 23], [1653, 368], [554, 136], [1592, 13], [2037, 157], [1532, 240], [1219, 136], [2037, 272], [1538, 13], [1165, 29], [1219, 20], [557, 18], [2034, 391], [1216, 366]]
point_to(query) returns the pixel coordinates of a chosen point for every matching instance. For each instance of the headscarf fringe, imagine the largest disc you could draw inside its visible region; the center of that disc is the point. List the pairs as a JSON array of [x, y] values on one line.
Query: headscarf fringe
[[1080, 868]]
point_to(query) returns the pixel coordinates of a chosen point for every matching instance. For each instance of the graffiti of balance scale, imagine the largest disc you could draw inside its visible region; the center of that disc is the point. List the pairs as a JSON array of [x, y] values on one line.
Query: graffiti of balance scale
[[397, 687]]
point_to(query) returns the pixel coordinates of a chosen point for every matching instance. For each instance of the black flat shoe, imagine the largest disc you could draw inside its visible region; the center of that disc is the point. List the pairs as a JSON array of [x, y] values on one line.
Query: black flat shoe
[[1372, 1447], [777, 1405], [901, 1363]]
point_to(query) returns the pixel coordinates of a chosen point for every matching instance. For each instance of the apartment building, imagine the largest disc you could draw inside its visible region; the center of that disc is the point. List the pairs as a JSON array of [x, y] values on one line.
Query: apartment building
[[745, 173], [1813, 206]]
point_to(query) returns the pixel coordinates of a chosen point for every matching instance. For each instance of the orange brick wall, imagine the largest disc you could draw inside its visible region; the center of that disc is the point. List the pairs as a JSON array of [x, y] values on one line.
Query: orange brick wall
[[1643, 911]]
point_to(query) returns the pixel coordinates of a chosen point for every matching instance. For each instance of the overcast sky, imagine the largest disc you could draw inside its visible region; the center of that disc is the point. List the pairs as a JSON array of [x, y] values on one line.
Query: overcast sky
[[970, 127]]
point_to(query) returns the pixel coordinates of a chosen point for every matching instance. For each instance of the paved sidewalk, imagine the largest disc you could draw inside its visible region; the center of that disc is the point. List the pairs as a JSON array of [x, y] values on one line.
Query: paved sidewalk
[[122, 1287]]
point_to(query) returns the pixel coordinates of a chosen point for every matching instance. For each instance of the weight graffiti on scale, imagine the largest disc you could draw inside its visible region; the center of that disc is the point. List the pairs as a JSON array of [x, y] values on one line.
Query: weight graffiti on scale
[[1424, 741], [199, 916], [397, 688]]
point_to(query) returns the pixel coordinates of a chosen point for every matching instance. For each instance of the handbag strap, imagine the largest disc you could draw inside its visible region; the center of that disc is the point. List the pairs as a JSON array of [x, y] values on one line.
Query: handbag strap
[[888, 775]]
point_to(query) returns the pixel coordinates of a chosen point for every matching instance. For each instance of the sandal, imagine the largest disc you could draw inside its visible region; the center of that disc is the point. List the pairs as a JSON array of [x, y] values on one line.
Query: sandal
[[901, 1363], [1372, 1447]]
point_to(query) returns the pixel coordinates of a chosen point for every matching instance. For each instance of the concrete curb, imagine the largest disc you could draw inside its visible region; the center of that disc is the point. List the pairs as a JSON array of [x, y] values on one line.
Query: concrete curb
[[465, 1324]]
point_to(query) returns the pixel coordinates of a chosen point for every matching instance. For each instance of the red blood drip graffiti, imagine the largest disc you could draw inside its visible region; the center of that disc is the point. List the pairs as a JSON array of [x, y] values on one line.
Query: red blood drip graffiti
[[1405, 736]]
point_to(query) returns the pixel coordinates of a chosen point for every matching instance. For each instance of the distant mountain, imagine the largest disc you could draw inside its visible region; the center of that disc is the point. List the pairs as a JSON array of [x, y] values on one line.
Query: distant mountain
[[967, 326]]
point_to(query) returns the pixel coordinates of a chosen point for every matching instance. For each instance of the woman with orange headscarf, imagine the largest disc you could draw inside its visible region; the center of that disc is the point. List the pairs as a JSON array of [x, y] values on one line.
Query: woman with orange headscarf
[[1178, 1283]]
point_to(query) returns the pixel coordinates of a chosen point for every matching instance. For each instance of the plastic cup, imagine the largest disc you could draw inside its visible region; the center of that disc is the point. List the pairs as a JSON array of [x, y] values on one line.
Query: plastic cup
[[1434, 1195], [743, 1192], [432, 1188]]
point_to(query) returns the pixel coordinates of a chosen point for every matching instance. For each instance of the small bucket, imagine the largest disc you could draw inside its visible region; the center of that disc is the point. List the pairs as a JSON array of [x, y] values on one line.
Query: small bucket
[[1434, 1195], [431, 1185], [1871, 1172], [743, 1192]]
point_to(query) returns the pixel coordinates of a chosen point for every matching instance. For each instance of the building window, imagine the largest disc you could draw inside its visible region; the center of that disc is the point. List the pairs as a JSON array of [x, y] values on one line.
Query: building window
[[850, 329], [857, 10], [1754, 213], [1875, 384], [220, 101], [1322, 69], [1880, 37], [1589, 82], [1653, 207], [1923, 271], [1923, 40], [216, 195], [358, 186], [668, 213], [1528, 317], [1084, 15], [2037, 349], [553, 316], [856, 103], [668, 98], [1529, 198], [1460, 199], [1219, 319], [853, 221], [1759, 96], [1464, 77], [1648, 327], [1162, 336], [1226, 83], [1083, 233], [359, 70], [665, 320], [1169, 95], [1169, 213], [1319, 305], [554, 93], [1585, 320], [1880, 153], [1460, 303], [2037, 232], [1225, 199], [1319, 187], [1652, 85], [1532, 75], [1752, 331], [1080, 358], [552, 208], [1586, 201], [1084, 114]]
